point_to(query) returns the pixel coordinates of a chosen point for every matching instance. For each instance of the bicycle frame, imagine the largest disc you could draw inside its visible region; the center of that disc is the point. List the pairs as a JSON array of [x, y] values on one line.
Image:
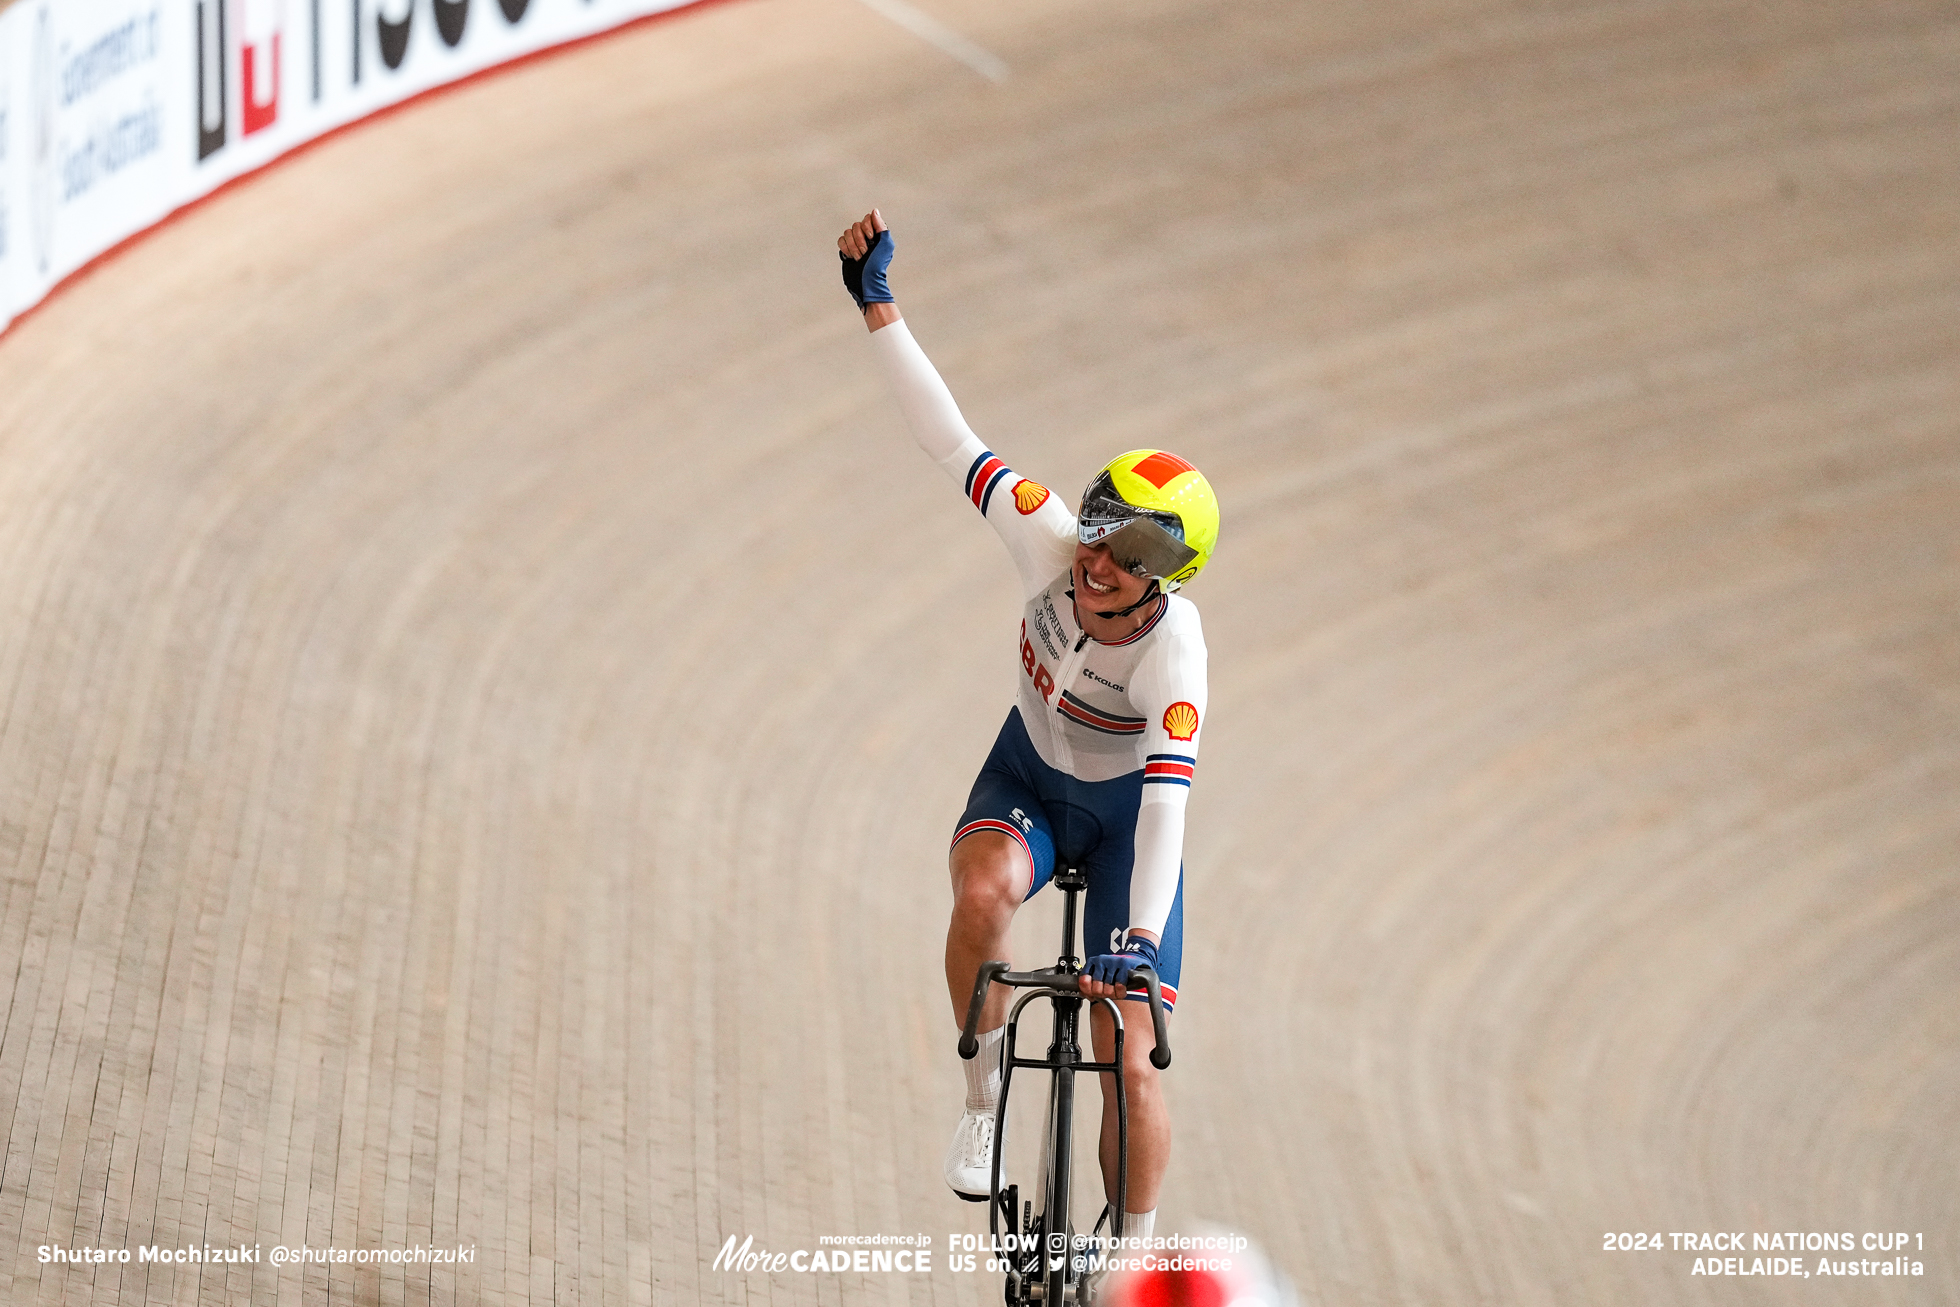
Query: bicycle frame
[[1053, 1259]]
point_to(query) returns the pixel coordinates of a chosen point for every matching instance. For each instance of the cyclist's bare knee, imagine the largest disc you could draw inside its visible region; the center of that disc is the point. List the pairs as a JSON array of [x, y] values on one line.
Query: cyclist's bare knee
[[1139, 1039], [990, 876]]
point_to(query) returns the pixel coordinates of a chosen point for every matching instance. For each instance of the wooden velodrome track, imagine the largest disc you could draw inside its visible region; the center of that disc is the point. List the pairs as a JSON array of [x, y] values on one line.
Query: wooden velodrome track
[[487, 681]]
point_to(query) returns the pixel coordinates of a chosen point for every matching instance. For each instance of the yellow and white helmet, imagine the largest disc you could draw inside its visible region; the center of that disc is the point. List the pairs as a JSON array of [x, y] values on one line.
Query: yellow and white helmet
[[1156, 513]]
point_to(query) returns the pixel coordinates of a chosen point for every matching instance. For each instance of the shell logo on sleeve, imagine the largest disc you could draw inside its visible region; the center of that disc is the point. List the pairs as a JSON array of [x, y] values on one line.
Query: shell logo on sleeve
[[1180, 721], [1029, 495]]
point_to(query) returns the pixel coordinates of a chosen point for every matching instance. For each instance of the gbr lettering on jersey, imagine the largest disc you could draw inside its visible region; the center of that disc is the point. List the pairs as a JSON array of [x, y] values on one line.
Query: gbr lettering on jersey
[[1076, 693]]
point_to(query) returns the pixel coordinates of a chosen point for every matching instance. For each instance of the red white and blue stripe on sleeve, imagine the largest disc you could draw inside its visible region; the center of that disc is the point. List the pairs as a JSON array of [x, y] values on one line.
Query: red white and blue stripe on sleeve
[[1169, 769], [986, 473]]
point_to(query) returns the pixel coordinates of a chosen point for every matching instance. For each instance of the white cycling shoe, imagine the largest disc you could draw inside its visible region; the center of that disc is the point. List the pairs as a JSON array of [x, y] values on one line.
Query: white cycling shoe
[[970, 1158]]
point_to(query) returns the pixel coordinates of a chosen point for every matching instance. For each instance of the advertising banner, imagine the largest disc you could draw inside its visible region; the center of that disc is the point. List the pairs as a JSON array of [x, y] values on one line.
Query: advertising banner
[[115, 113]]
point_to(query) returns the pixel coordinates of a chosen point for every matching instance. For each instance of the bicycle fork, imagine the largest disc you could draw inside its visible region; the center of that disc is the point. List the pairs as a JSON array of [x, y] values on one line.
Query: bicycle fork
[[1042, 1249], [1049, 1268]]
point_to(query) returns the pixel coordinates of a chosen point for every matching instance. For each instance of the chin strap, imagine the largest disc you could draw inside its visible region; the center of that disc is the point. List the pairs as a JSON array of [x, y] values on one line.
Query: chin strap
[[1148, 595]]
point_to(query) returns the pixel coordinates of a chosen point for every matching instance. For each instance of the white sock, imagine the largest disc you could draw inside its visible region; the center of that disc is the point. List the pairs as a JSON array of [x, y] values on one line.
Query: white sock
[[1137, 1225], [983, 1072]]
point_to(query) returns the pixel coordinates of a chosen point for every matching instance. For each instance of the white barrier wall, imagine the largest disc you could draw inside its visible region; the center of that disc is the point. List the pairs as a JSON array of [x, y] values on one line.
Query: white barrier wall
[[114, 113]]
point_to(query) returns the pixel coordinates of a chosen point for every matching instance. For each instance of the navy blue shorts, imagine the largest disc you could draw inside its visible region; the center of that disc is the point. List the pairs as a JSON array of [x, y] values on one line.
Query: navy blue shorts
[[1086, 824]]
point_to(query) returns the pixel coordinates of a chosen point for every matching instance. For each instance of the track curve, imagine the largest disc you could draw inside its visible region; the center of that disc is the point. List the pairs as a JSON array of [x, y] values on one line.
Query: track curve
[[487, 681]]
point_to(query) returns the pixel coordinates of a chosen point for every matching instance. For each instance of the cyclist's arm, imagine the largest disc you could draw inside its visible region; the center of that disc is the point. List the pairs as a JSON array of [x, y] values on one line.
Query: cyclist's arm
[[1038, 531], [1168, 687]]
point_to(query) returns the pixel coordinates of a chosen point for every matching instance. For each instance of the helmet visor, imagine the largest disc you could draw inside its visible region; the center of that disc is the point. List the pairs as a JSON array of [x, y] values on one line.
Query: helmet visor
[[1146, 549], [1145, 541]]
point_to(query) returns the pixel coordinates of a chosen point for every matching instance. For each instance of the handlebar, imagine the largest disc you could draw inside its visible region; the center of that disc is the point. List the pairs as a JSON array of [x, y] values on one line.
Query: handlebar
[[1061, 982]]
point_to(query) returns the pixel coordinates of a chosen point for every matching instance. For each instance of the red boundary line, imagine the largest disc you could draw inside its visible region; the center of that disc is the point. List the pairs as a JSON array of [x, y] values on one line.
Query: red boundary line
[[253, 174]]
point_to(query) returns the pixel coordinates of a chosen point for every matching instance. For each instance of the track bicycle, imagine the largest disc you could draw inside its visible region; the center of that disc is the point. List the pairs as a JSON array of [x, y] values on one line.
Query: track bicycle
[[1048, 1262]]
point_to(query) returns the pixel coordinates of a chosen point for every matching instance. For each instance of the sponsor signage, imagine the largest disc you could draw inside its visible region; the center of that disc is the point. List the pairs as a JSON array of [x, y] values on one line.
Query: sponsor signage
[[115, 113]]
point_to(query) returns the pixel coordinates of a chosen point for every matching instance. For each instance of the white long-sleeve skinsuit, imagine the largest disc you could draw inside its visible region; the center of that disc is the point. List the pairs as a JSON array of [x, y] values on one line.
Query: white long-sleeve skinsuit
[[1117, 724]]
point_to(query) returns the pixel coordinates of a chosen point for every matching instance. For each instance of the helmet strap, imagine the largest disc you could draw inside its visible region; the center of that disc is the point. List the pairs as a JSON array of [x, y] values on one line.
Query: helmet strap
[[1148, 595]]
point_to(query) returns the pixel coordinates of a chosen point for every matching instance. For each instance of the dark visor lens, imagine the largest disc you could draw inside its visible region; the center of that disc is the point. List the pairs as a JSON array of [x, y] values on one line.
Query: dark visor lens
[[1146, 549]]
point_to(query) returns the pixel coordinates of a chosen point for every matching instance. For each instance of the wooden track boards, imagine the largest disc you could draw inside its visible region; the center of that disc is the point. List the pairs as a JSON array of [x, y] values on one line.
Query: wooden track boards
[[486, 681]]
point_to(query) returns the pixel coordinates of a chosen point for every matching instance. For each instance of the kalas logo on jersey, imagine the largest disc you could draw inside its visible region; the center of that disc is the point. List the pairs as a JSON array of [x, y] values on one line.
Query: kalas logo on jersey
[[1029, 495], [1180, 721]]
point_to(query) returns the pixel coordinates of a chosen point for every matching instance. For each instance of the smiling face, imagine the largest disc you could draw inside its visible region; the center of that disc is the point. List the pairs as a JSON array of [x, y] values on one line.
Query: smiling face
[[1103, 585]]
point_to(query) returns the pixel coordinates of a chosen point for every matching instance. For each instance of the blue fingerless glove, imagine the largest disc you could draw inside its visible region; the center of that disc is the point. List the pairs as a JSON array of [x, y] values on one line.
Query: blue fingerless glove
[[865, 277], [1114, 968]]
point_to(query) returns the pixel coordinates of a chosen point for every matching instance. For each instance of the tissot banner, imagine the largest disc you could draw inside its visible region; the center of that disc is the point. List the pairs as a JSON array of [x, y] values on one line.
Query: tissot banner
[[113, 113]]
